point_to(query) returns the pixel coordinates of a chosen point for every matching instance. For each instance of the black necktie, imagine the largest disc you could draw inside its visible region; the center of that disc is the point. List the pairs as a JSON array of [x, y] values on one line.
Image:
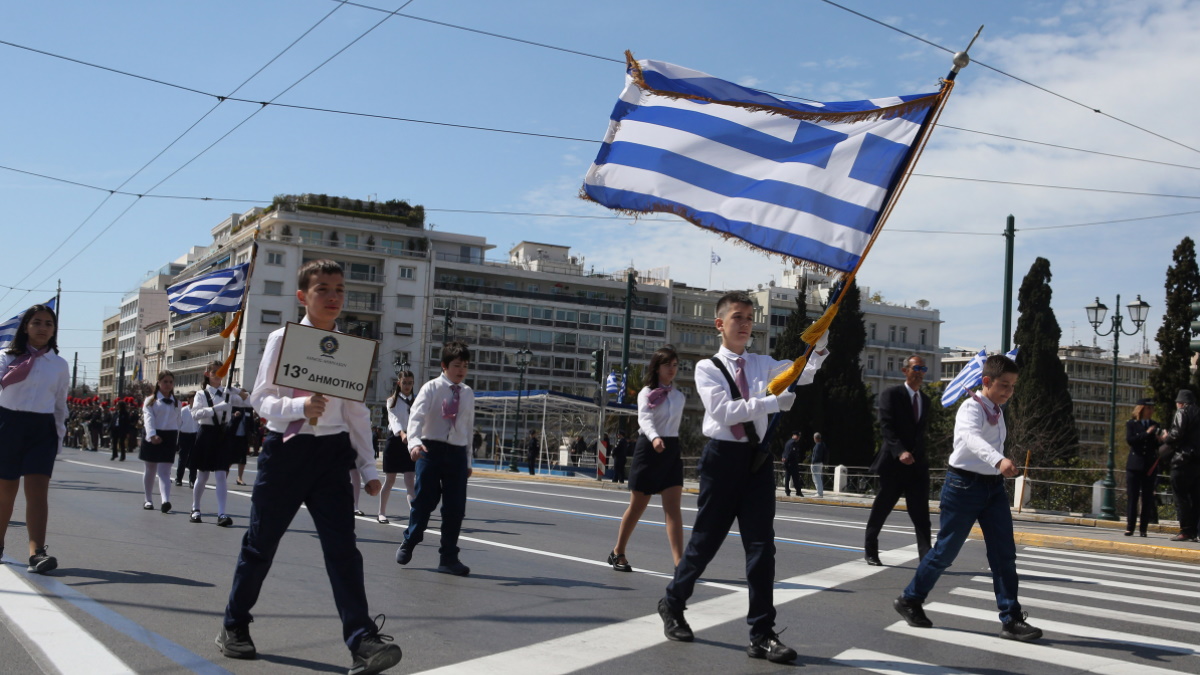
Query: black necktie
[[169, 401]]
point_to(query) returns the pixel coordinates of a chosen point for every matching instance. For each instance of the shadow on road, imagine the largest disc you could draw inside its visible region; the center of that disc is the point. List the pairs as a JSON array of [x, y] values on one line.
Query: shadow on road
[[126, 577]]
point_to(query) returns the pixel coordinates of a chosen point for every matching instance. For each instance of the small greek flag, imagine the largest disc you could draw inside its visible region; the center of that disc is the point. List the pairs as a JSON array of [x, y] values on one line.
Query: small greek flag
[[806, 181], [8, 329], [613, 384], [220, 291], [970, 377]]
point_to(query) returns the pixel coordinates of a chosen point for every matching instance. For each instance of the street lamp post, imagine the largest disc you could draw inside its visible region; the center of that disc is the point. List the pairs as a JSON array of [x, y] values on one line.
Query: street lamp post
[[1095, 313], [523, 357]]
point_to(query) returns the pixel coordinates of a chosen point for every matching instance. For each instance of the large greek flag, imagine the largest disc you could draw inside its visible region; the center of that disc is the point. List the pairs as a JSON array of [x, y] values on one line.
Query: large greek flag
[[8, 329], [970, 377], [802, 180], [220, 291]]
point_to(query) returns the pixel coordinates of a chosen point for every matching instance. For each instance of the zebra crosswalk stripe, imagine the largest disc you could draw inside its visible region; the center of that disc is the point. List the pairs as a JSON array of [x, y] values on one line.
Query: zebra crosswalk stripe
[[1102, 595], [1123, 575], [1087, 610], [887, 664]]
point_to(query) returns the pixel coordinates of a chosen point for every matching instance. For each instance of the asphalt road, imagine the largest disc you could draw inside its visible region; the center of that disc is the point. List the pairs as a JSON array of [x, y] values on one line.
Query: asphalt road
[[144, 592]]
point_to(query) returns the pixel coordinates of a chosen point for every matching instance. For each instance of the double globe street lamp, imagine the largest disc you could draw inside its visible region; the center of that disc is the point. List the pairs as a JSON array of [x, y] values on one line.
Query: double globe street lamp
[[1095, 313]]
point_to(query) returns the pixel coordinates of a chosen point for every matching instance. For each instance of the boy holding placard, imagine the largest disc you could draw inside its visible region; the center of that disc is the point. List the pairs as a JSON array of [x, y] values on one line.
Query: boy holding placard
[[303, 464]]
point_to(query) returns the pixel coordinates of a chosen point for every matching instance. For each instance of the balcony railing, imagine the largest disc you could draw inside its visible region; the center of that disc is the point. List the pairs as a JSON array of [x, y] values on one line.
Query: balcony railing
[[195, 336]]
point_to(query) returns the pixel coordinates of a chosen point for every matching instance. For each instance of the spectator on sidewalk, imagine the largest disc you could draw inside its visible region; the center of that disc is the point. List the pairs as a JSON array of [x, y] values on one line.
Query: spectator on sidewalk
[[1181, 447], [1141, 471], [791, 464], [819, 455]]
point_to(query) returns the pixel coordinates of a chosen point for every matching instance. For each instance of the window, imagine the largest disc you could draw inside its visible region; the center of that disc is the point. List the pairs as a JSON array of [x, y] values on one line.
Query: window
[[393, 247], [904, 333], [871, 362], [350, 241], [518, 311], [924, 336], [566, 315], [404, 329], [271, 316], [872, 331], [272, 288], [274, 258], [405, 301], [891, 363], [891, 335], [408, 273], [311, 236], [544, 313]]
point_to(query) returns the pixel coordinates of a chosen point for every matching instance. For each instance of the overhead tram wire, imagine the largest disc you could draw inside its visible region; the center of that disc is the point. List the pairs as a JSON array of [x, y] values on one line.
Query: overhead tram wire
[[160, 153], [236, 127], [411, 120], [1010, 75]]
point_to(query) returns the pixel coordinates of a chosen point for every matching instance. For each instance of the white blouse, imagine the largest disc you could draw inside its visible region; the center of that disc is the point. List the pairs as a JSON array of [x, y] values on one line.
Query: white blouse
[[398, 415], [203, 414], [663, 420], [187, 423], [44, 390], [158, 416]]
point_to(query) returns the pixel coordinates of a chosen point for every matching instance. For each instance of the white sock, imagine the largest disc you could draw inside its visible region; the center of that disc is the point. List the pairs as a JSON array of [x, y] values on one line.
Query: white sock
[[148, 479], [198, 490], [164, 480], [222, 478]]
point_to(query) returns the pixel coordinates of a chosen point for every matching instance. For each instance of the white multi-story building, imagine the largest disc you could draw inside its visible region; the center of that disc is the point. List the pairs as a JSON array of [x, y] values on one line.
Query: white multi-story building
[[141, 307], [108, 356]]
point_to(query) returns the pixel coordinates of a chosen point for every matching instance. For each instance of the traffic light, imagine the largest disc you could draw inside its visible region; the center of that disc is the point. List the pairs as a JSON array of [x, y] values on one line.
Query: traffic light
[[1194, 313], [598, 365]]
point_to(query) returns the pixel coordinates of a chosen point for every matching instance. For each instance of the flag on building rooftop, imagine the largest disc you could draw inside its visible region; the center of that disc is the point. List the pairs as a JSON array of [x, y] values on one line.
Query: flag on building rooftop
[[8, 329], [220, 291], [807, 181], [969, 377]]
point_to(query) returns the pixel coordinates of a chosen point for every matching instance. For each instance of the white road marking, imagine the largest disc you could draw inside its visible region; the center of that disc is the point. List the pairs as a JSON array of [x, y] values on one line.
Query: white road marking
[[589, 648], [1050, 625], [1087, 610], [1076, 661], [1123, 575], [50, 636], [1191, 574], [886, 664], [1106, 595], [1141, 562]]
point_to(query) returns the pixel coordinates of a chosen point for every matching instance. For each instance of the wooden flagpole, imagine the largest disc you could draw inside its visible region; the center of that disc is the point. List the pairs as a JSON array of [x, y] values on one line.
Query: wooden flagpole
[[240, 315]]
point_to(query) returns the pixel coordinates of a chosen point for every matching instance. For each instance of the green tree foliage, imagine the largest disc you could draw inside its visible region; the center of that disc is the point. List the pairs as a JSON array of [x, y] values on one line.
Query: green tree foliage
[[845, 412], [1173, 371], [1040, 416], [805, 415], [939, 430]]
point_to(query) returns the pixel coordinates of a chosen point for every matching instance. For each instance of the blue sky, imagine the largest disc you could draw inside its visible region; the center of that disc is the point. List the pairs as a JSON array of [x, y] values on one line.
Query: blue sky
[[1134, 61]]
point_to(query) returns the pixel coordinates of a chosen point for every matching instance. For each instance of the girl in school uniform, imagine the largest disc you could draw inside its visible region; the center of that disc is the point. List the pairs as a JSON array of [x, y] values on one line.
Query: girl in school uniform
[[34, 382], [211, 408], [161, 419], [396, 459], [657, 462]]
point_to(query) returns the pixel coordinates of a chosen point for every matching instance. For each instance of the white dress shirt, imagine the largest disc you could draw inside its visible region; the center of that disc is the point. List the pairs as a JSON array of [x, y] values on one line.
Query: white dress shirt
[[44, 390], [398, 415], [158, 416], [978, 446], [662, 420], [280, 406], [204, 415], [187, 423], [722, 412], [425, 420]]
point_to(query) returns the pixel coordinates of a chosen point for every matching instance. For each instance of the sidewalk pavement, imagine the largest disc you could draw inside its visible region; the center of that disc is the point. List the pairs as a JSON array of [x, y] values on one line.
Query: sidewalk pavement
[[1030, 528]]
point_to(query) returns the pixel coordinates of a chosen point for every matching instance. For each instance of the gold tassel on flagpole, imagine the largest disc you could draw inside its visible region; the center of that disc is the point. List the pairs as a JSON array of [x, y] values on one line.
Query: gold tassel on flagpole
[[237, 318], [224, 369]]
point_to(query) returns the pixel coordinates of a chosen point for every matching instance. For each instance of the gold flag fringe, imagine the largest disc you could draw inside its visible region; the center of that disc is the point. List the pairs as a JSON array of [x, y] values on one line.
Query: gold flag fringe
[[237, 318], [888, 112]]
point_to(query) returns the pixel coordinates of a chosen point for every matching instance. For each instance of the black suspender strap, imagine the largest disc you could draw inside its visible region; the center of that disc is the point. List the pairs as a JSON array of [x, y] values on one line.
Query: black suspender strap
[[748, 427]]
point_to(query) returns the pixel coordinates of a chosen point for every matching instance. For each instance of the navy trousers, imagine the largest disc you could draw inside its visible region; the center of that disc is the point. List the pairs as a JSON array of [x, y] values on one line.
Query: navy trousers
[[911, 482], [441, 476], [728, 492], [313, 471]]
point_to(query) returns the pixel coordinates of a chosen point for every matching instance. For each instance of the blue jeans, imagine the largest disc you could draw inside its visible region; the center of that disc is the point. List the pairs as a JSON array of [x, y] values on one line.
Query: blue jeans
[[441, 476], [967, 499]]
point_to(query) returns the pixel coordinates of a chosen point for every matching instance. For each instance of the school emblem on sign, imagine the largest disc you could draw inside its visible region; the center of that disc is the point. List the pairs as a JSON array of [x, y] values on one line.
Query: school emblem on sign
[[329, 345]]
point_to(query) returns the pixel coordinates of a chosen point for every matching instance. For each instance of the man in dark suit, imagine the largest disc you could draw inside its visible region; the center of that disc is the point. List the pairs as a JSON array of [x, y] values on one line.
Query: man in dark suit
[[791, 464], [901, 464]]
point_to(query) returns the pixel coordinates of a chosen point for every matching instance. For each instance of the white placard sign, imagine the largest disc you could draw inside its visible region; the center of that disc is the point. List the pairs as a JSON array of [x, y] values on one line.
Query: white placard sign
[[325, 362]]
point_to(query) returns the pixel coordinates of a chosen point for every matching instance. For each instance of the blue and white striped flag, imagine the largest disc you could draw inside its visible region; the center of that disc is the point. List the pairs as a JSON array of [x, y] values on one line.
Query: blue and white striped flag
[[714, 259], [802, 180], [220, 291], [613, 384], [970, 377], [8, 329]]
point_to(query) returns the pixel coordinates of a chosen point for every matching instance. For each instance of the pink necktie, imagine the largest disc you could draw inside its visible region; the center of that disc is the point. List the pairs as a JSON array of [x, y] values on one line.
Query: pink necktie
[[295, 426], [658, 394], [19, 369], [450, 407], [739, 376], [993, 418]]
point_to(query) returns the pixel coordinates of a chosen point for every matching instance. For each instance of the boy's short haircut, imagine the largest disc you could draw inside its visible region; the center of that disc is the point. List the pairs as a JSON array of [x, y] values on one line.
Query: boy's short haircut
[[310, 270], [997, 365], [452, 351], [733, 298]]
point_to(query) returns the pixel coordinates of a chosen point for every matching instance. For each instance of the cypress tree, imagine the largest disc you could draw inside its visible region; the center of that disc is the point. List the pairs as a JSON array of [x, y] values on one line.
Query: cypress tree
[[846, 415], [1173, 371], [804, 417], [1040, 415]]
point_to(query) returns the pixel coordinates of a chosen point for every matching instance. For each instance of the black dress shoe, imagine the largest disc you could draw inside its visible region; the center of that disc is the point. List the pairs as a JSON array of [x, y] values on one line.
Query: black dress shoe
[[770, 648], [873, 560], [1143, 533], [1017, 629], [453, 566], [675, 627], [618, 562], [404, 554], [912, 612]]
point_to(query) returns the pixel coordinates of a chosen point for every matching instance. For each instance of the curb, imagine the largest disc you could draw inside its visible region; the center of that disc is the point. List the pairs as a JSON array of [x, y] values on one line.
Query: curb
[[1101, 546]]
